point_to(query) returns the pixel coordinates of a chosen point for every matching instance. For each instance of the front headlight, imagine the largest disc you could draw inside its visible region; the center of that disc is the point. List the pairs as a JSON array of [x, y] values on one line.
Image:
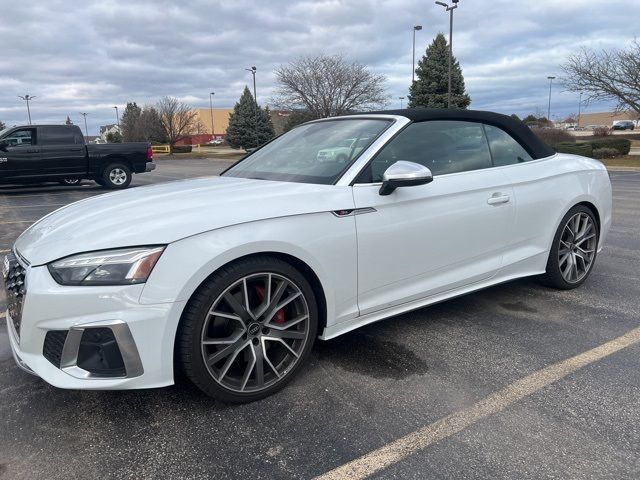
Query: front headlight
[[124, 266]]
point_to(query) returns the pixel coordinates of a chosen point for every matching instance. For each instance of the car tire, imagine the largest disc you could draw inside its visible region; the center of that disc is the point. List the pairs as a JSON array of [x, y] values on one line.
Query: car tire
[[116, 176], [245, 354], [574, 250], [70, 182]]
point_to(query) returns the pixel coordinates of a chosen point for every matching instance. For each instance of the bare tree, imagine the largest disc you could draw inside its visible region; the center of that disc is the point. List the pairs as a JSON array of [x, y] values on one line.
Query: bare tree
[[606, 75], [177, 119], [328, 85]]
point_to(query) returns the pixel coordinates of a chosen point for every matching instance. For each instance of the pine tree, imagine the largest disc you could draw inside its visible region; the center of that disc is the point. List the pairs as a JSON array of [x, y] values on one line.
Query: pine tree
[[130, 123], [432, 84], [68, 121], [249, 125]]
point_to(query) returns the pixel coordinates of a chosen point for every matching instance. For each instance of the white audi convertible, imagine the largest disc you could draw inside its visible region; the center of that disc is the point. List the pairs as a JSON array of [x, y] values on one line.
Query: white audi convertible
[[230, 279]]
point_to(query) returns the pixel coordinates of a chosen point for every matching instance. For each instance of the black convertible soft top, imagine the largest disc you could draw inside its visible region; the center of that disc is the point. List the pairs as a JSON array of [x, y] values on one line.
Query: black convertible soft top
[[518, 130]]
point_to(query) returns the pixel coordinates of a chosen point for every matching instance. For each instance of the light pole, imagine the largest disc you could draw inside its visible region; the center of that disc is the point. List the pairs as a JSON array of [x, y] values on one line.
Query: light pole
[[579, 108], [401, 99], [450, 9], [213, 132], [253, 72], [117, 116], [27, 98], [549, 107], [86, 130], [413, 64], [255, 104]]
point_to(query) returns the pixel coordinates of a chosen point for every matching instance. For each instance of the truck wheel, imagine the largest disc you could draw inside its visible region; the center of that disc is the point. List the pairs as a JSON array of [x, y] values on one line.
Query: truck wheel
[[70, 182], [116, 176]]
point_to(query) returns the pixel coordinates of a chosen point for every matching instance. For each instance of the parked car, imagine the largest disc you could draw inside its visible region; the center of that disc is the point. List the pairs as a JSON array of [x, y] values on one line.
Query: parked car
[[624, 125], [40, 153], [231, 279], [215, 141]]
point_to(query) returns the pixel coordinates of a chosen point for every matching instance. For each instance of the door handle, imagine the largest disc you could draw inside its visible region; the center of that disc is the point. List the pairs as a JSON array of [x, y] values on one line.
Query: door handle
[[497, 199], [34, 150]]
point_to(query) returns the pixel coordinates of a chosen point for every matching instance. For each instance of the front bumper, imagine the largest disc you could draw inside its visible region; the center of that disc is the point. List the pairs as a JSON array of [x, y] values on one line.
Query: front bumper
[[145, 334], [150, 166]]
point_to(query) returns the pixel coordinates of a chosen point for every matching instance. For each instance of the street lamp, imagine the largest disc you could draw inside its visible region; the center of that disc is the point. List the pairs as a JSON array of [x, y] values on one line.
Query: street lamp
[[401, 99], [413, 64], [579, 108], [27, 98], [86, 130], [117, 116], [450, 9], [549, 107], [213, 132], [255, 99]]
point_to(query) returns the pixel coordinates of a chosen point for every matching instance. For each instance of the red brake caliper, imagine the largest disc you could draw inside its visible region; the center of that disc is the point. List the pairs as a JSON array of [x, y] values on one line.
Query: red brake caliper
[[279, 316]]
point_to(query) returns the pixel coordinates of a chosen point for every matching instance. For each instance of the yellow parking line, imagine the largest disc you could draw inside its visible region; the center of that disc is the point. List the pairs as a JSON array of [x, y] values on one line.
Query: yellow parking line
[[401, 448], [3, 314], [18, 221]]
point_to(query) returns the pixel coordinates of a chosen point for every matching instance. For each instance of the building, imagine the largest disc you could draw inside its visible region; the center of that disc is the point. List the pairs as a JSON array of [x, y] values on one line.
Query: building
[[203, 132], [607, 119], [106, 130]]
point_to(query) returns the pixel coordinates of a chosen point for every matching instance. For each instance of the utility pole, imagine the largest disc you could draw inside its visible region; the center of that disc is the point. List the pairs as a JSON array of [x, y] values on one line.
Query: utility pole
[[213, 132], [450, 9], [401, 99], [579, 108], [86, 130], [27, 98], [413, 65]]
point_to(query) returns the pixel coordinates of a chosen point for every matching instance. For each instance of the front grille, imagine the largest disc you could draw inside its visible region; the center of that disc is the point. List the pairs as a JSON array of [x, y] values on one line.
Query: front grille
[[16, 288], [53, 345]]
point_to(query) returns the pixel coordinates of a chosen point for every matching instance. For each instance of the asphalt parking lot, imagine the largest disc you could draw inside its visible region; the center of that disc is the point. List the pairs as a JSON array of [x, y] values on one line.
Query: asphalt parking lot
[[366, 389]]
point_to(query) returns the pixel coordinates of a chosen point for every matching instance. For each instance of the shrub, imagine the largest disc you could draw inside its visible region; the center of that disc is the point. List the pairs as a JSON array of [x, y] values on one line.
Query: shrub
[[601, 132], [622, 145], [584, 149], [601, 153], [554, 136]]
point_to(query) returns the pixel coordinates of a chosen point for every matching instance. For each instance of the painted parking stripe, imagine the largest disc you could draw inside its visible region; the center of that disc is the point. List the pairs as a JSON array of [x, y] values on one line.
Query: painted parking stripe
[[403, 447], [3, 314]]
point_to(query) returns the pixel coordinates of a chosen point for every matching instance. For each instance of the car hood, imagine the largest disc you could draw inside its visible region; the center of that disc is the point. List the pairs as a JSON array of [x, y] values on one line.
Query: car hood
[[167, 212]]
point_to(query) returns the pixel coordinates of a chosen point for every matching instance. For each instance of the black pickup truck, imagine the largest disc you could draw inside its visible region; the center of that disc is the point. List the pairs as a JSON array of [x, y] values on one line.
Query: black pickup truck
[[43, 153]]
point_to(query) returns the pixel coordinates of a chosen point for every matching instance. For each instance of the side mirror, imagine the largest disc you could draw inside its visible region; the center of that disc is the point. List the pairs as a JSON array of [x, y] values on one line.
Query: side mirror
[[3, 145], [404, 174]]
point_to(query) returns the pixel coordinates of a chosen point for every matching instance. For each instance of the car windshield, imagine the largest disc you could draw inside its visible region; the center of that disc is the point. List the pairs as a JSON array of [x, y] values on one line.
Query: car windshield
[[3, 132], [312, 153]]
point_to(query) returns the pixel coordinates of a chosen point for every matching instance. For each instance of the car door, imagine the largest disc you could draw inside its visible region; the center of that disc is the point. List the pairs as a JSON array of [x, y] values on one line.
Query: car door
[[62, 151], [19, 153], [423, 240]]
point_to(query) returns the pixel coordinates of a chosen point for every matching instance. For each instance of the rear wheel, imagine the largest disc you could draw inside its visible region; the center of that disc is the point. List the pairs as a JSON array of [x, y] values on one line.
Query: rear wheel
[[116, 176], [573, 252], [248, 329]]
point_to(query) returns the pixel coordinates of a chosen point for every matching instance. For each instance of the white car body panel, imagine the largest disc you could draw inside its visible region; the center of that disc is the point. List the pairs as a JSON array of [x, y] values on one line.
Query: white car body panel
[[419, 246]]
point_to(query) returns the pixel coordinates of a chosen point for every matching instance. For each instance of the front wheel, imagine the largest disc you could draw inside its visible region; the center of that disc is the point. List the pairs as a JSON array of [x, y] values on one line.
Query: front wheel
[[116, 176], [248, 329], [574, 249]]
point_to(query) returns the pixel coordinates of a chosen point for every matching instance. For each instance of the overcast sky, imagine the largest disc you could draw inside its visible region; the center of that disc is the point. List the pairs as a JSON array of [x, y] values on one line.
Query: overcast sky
[[87, 56]]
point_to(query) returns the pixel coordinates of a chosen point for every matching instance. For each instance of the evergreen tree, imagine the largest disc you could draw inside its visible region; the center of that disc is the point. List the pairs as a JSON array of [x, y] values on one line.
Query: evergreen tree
[[68, 121], [431, 87], [2, 126], [130, 123], [249, 125]]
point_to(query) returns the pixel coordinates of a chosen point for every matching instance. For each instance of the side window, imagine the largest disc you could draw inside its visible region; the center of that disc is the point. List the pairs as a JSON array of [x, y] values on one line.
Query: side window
[[504, 149], [55, 135], [443, 146], [25, 136]]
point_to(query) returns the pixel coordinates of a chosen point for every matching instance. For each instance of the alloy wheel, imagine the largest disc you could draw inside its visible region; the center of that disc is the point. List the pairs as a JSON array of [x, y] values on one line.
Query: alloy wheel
[[118, 176], [577, 247], [255, 332]]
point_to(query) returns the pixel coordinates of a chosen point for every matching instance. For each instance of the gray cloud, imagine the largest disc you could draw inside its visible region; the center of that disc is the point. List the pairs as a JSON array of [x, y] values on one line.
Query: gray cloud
[[89, 56]]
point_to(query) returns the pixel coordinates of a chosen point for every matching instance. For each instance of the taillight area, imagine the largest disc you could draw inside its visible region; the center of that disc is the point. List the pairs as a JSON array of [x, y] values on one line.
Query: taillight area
[[149, 154]]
